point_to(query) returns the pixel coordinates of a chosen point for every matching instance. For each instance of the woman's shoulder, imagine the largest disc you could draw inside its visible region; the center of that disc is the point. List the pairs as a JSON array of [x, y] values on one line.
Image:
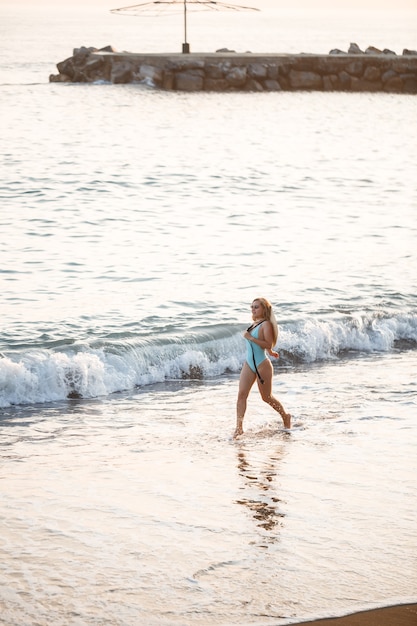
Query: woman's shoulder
[[266, 324]]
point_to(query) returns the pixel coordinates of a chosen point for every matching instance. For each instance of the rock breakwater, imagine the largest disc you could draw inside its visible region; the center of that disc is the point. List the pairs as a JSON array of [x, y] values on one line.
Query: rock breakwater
[[372, 70]]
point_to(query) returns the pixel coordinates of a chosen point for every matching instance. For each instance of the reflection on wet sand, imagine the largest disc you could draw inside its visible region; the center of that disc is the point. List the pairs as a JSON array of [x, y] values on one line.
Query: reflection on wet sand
[[263, 501]]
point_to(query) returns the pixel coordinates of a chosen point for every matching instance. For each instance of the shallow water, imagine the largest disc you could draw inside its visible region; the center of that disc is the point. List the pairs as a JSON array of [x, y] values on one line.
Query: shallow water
[[141, 509], [137, 226]]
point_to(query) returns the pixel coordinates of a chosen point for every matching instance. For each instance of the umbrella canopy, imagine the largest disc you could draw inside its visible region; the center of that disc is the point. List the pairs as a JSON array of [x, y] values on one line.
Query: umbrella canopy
[[157, 7]]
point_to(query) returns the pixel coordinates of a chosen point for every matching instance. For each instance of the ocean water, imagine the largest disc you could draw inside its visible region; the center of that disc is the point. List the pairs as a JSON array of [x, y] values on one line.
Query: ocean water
[[136, 228]]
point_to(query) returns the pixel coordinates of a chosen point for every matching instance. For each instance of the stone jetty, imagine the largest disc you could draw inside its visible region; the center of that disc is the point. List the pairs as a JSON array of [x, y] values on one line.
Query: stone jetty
[[355, 70]]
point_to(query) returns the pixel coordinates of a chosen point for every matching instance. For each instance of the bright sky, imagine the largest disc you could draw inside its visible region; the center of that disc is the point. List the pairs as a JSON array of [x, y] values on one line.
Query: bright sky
[[262, 4], [333, 4]]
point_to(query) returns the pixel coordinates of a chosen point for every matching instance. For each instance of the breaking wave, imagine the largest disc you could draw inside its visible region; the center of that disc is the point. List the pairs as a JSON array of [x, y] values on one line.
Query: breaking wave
[[96, 369]]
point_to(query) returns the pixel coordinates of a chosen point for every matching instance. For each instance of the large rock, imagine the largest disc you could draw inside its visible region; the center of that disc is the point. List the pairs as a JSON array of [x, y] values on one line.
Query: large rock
[[388, 75], [169, 81], [253, 85], [373, 50], [409, 82], [107, 49], [59, 78], [359, 84], [330, 82], [190, 81], [258, 71], [67, 67], [214, 70], [121, 73], [93, 64], [80, 55], [354, 49], [80, 76], [151, 73], [305, 80], [393, 84], [216, 84], [273, 72], [237, 76], [355, 68], [344, 81], [272, 85], [185, 65], [372, 73]]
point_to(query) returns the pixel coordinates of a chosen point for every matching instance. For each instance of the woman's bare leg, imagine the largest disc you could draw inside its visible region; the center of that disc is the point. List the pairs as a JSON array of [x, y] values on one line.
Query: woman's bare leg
[[247, 378], [266, 370]]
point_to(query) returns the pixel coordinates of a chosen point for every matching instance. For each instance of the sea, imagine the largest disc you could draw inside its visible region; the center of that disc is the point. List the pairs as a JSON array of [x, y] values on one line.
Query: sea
[[137, 226]]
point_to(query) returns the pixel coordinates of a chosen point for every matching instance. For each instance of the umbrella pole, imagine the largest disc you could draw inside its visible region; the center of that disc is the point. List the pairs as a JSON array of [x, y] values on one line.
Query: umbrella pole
[[185, 45]]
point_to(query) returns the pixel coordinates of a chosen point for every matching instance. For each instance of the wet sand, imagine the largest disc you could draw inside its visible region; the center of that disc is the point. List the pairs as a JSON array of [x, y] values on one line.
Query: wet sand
[[402, 615]]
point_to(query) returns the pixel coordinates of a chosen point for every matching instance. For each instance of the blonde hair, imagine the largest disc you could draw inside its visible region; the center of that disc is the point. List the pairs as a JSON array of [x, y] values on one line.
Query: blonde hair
[[270, 316]]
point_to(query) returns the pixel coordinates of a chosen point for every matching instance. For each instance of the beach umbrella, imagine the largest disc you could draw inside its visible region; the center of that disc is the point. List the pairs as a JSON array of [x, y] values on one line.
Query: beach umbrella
[[157, 7]]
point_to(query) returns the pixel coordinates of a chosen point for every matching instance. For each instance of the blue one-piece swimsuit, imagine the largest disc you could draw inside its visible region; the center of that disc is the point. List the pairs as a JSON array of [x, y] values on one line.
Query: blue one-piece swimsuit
[[258, 353]]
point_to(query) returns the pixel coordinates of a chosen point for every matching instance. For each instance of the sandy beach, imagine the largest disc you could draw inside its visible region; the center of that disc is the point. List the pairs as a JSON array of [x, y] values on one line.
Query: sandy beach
[[401, 615]]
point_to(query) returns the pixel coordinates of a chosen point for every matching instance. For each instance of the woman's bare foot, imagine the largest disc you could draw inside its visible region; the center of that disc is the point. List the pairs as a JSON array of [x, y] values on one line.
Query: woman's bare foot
[[238, 432], [287, 420]]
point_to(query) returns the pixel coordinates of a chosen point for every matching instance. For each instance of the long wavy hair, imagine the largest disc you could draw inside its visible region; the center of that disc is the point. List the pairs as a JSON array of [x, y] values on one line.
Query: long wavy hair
[[270, 316]]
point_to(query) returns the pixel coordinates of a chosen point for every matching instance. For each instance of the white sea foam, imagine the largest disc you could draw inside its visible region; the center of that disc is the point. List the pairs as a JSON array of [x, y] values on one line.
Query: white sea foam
[[315, 340], [43, 375]]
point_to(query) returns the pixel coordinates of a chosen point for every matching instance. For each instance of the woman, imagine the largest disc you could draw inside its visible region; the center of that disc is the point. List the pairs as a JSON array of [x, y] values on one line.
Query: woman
[[261, 336]]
